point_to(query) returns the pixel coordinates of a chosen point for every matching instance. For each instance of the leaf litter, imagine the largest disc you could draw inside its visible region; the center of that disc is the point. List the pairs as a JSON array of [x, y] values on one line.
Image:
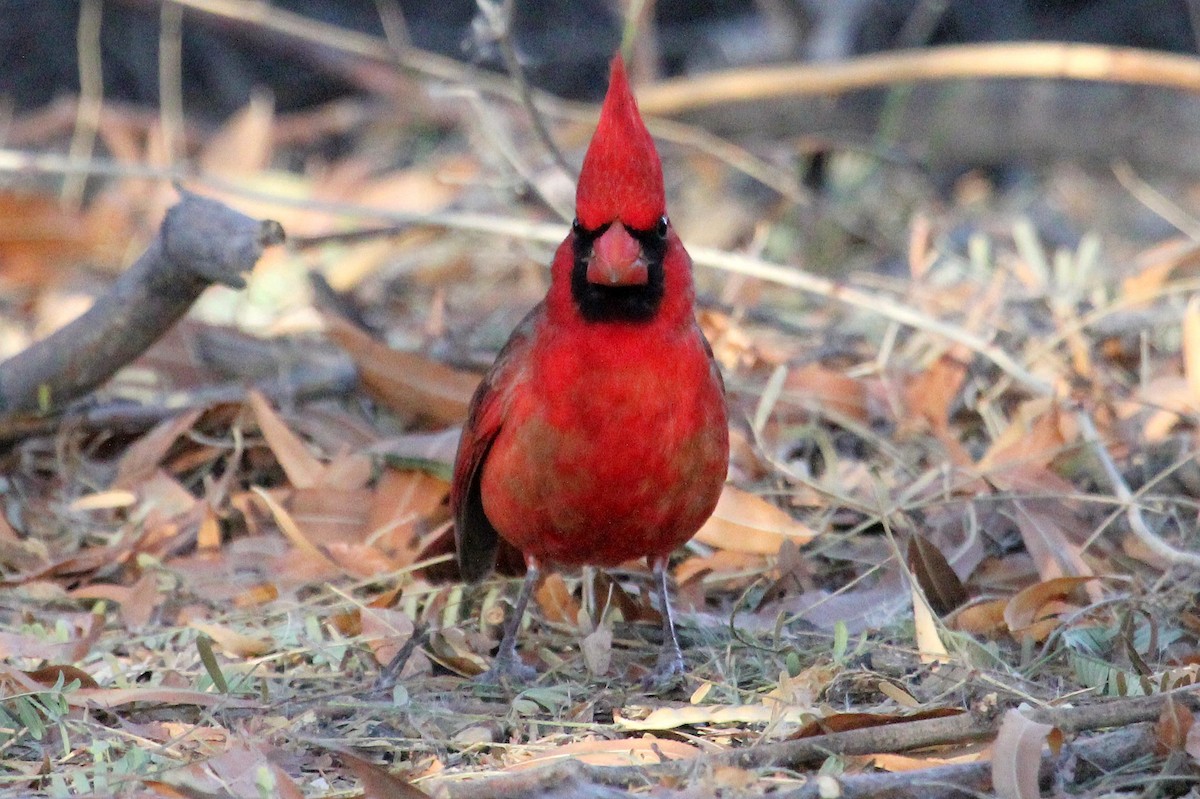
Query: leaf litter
[[205, 603]]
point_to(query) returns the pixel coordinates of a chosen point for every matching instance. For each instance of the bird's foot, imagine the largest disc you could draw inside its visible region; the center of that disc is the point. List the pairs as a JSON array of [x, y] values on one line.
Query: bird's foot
[[507, 670], [667, 674]]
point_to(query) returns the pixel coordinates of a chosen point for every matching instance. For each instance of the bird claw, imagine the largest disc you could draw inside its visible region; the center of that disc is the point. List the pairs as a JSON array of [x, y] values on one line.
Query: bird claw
[[507, 670], [667, 674]]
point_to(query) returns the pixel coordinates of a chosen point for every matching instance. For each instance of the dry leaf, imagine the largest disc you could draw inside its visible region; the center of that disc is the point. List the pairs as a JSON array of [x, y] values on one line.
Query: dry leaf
[[301, 466], [624, 752], [1173, 728], [937, 579], [929, 643], [745, 522], [668, 718], [1030, 604], [377, 783], [596, 648], [983, 618], [556, 601], [234, 643], [144, 456], [1017, 756], [816, 385], [405, 381], [385, 632]]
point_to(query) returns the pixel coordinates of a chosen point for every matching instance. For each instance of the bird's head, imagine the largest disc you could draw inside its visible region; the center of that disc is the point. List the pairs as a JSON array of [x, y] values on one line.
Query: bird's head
[[621, 235]]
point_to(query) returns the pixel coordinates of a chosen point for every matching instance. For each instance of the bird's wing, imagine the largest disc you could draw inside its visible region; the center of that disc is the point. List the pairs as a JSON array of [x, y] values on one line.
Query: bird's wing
[[476, 540]]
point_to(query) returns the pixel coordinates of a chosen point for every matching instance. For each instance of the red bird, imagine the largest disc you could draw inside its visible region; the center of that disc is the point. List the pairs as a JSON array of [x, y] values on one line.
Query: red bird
[[600, 433]]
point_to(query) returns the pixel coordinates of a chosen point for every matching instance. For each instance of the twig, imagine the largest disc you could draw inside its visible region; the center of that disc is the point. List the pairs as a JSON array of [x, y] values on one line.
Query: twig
[[971, 780], [1053, 60], [1133, 511], [791, 276], [388, 674], [885, 307], [91, 95], [500, 19], [900, 737], [1156, 201], [200, 242], [434, 66], [306, 381]]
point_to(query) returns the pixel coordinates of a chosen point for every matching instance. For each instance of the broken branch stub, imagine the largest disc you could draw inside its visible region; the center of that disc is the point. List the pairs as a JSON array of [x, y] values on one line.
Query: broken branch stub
[[200, 242]]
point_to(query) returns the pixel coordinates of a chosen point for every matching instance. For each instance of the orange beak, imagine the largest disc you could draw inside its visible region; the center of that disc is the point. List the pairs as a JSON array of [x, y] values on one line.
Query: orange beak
[[617, 259]]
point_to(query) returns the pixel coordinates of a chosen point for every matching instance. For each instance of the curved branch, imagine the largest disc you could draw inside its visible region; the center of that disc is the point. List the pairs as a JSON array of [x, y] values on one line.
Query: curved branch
[[200, 242]]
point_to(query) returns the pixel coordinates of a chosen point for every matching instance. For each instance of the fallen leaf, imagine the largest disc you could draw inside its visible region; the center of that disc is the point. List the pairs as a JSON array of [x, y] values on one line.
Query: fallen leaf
[[1017, 756], [622, 752], [301, 466], [234, 643], [377, 783], [555, 600], [937, 579], [745, 522], [668, 718], [402, 380], [1030, 604], [596, 648]]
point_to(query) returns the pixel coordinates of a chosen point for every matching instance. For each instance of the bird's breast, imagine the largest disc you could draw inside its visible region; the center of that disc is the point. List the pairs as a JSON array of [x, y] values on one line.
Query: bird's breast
[[609, 452]]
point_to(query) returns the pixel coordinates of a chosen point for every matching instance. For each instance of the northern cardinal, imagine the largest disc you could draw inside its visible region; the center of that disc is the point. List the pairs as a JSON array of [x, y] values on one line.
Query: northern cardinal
[[599, 435]]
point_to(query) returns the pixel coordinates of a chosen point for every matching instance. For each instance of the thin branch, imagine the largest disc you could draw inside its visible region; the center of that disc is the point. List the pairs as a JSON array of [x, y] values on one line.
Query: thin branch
[[501, 19], [91, 96], [1133, 511], [790, 276], [970, 780], [200, 242], [437, 67], [1047, 60], [899, 737]]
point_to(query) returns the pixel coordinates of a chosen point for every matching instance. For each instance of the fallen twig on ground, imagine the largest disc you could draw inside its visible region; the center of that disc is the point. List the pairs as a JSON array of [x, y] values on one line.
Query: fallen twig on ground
[[200, 242], [805, 752]]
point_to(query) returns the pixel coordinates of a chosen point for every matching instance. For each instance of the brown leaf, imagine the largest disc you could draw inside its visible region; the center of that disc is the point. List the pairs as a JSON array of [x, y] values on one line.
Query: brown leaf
[[301, 466], [621, 752], [1154, 266], [242, 146], [144, 456], [745, 522], [328, 515], [1038, 601], [1017, 756], [941, 585], [555, 600], [378, 783], [817, 385], [929, 395], [984, 618], [405, 504], [234, 643], [1173, 728], [385, 631], [402, 380], [38, 237], [1027, 446], [844, 722], [50, 675]]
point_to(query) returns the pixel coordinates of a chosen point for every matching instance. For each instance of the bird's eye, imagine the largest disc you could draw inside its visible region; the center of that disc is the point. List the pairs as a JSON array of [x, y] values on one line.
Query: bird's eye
[[661, 230], [576, 228]]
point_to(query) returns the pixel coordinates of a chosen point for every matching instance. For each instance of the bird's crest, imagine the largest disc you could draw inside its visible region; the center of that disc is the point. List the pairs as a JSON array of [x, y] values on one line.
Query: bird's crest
[[621, 176]]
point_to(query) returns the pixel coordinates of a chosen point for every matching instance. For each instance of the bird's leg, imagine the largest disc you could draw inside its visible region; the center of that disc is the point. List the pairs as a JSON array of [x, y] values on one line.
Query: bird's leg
[[507, 666], [670, 659]]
